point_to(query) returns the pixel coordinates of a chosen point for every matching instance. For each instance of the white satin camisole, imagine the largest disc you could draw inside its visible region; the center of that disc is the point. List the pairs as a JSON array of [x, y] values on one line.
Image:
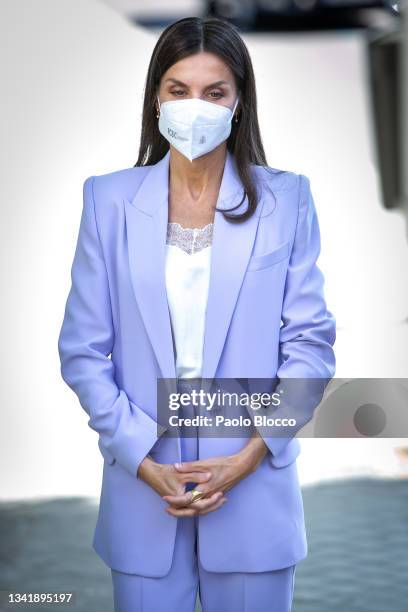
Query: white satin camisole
[[187, 271]]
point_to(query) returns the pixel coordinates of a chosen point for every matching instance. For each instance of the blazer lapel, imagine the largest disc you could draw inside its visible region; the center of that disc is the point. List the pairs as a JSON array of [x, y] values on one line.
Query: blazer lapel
[[146, 225], [231, 248]]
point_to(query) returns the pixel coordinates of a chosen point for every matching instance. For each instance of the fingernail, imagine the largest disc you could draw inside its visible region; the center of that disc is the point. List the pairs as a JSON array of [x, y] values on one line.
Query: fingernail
[[177, 465]]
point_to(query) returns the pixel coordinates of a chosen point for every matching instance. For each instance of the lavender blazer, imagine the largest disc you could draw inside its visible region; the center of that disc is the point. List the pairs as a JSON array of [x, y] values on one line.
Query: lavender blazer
[[266, 317]]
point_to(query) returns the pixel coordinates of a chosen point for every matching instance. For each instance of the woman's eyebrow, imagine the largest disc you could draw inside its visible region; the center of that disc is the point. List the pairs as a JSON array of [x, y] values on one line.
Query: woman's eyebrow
[[176, 81], [216, 84]]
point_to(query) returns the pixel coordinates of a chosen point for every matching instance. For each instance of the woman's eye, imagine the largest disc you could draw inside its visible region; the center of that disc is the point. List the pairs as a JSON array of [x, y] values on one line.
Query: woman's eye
[[178, 92], [216, 95]]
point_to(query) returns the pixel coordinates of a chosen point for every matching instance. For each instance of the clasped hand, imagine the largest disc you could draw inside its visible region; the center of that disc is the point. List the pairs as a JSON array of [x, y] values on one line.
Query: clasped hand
[[213, 477]]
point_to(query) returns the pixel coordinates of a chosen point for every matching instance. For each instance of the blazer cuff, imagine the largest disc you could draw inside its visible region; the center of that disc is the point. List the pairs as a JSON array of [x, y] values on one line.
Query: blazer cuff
[[135, 435]]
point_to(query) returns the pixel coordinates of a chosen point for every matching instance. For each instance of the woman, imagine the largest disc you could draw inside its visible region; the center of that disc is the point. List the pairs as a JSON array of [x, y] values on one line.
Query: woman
[[199, 262]]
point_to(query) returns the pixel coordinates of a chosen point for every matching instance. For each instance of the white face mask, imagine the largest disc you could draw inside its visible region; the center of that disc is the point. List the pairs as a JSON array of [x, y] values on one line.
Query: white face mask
[[193, 126]]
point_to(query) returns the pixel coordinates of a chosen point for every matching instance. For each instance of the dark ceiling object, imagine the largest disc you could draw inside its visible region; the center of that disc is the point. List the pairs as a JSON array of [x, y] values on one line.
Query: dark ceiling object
[[386, 82], [298, 15]]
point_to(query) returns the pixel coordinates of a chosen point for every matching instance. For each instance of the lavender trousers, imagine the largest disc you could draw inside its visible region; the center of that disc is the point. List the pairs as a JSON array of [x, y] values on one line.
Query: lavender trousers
[[177, 591]]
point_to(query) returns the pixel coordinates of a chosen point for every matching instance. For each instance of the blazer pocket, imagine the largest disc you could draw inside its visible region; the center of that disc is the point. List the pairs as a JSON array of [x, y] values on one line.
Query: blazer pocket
[[259, 262]]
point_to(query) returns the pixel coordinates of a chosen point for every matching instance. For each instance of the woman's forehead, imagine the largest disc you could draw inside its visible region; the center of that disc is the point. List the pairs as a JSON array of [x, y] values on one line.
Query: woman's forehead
[[200, 68]]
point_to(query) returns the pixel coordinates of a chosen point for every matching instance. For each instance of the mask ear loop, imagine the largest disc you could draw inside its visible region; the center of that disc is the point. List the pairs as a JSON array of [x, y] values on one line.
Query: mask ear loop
[[235, 106], [158, 113]]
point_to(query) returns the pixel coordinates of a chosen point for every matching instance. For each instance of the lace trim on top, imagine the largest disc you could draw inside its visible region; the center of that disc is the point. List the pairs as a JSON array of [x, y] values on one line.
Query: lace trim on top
[[189, 239]]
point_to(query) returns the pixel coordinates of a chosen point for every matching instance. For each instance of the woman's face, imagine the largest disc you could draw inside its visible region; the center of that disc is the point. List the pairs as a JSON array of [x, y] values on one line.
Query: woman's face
[[202, 75]]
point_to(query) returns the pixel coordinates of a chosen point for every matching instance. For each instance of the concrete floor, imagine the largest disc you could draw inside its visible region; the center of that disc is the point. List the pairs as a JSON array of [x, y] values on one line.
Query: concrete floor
[[357, 539]]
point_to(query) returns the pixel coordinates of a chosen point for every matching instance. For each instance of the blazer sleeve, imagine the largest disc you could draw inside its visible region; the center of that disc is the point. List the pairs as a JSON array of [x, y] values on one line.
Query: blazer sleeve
[[308, 331], [85, 343]]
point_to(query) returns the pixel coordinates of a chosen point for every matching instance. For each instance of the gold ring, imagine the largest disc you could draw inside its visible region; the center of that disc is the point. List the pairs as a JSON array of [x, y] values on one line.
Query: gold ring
[[196, 495]]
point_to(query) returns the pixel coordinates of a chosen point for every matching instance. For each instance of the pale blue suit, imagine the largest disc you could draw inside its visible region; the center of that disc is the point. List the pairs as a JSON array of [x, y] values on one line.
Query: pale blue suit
[[116, 341]]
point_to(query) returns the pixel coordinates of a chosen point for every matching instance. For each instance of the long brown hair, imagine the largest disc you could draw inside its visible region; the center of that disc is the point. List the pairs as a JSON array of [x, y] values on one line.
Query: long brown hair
[[186, 37]]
